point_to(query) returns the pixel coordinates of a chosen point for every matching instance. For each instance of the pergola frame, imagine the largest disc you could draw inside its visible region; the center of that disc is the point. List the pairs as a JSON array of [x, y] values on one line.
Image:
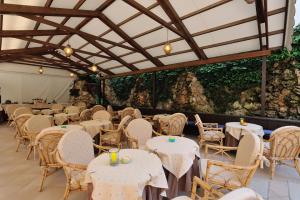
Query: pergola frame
[[176, 26]]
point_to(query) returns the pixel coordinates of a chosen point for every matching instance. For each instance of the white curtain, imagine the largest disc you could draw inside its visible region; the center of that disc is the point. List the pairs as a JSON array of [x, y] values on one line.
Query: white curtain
[[23, 87]]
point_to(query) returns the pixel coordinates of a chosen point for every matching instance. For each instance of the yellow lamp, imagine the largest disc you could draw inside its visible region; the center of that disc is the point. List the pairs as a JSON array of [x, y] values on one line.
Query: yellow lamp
[[68, 50], [71, 74], [94, 68], [41, 71], [168, 48]]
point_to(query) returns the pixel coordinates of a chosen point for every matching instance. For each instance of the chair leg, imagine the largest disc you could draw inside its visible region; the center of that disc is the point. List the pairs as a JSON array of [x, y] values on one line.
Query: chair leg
[[67, 192], [45, 174], [18, 145], [272, 167], [29, 152], [297, 165]]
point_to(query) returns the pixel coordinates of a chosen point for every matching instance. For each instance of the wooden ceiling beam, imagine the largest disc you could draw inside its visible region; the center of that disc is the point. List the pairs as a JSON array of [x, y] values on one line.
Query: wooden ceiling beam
[[1, 26], [266, 22], [26, 51], [13, 33], [16, 9], [197, 63], [153, 16], [171, 12], [128, 39], [37, 24]]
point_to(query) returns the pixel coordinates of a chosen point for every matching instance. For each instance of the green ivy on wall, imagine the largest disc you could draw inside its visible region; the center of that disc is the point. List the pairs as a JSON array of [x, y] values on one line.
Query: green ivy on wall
[[122, 86]]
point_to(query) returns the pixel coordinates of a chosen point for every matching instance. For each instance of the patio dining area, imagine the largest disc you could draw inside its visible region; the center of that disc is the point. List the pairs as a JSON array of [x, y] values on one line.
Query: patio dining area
[[149, 100]]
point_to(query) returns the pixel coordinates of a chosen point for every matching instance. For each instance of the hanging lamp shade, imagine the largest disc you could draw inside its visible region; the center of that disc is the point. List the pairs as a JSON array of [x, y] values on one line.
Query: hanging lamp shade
[[68, 50], [41, 70], [168, 48], [94, 68], [71, 75]]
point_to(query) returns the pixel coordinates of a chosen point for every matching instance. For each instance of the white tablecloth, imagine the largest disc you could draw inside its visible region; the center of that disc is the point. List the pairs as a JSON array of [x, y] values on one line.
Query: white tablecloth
[[62, 128], [93, 126], [125, 181], [177, 157], [237, 130]]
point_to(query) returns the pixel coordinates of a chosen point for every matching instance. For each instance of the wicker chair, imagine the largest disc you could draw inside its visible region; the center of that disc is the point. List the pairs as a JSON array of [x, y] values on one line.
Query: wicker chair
[[209, 132], [113, 137], [20, 135], [46, 144], [9, 110], [97, 108], [113, 113], [102, 115], [81, 105], [85, 115], [57, 108], [284, 145], [74, 152], [138, 132], [33, 126], [20, 111], [127, 111], [173, 124], [73, 113], [236, 174]]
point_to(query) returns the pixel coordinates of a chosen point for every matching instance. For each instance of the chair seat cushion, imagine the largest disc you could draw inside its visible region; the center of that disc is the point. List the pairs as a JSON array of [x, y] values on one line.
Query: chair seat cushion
[[220, 175], [213, 135], [78, 180], [182, 198]]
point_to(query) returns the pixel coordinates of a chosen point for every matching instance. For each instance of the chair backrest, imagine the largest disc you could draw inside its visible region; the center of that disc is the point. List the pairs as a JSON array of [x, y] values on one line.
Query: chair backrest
[[72, 109], [110, 110], [22, 110], [76, 147], [124, 122], [46, 143], [285, 143], [242, 194], [127, 111], [10, 109], [102, 115], [199, 124], [249, 150], [20, 121], [174, 124], [86, 115], [36, 123], [57, 107], [97, 108], [80, 104], [137, 114], [141, 130]]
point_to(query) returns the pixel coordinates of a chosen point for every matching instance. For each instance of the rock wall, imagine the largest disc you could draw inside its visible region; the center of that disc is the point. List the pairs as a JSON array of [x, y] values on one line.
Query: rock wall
[[84, 94]]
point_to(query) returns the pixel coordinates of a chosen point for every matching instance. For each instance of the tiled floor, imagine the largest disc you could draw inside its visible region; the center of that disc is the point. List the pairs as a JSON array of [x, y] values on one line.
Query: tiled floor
[[20, 179]]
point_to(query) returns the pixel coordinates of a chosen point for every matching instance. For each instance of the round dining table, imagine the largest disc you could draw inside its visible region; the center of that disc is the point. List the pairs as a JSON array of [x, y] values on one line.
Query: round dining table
[[234, 131], [180, 158], [142, 178], [63, 128], [93, 126]]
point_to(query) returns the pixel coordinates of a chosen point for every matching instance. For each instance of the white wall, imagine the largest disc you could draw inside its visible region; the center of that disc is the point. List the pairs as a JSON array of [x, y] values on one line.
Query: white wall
[[22, 83]]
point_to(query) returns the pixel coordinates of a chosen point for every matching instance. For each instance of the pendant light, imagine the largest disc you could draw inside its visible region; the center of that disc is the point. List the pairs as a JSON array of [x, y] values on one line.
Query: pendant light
[[41, 70], [250, 1], [94, 67], [68, 50], [167, 47], [71, 75]]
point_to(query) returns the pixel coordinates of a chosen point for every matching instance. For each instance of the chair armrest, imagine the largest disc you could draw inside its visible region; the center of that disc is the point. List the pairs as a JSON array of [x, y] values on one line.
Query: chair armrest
[[107, 130], [205, 186], [212, 129], [217, 147], [228, 166], [157, 133], [103, 148]]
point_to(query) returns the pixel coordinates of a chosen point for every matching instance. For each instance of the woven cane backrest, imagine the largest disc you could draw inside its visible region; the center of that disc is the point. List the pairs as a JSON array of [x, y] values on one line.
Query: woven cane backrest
[[124, 122], [20, 121], [199, 124], [72, 109], [57, 107], [47, 146], [127, 111], [97, 108], [137, 114], [110, 110], [102, 115], [22, 110], [175, 124], [36, 123], [285, 143], [86, 115]]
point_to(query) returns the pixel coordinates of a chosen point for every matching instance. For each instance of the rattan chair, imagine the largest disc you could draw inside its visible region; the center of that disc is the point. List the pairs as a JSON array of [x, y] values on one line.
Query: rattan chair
[[46, 145], [85, 115], [113, 113], [57, 108], [209, 132], [97, 108], [138, 132], [73, 113], [127, 111], [21, 111], [20, 135], [284, 145], [81, 105], [172, 125], [102, 115], [113, 137], [74, 152], [236, 174], [33, 126]]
